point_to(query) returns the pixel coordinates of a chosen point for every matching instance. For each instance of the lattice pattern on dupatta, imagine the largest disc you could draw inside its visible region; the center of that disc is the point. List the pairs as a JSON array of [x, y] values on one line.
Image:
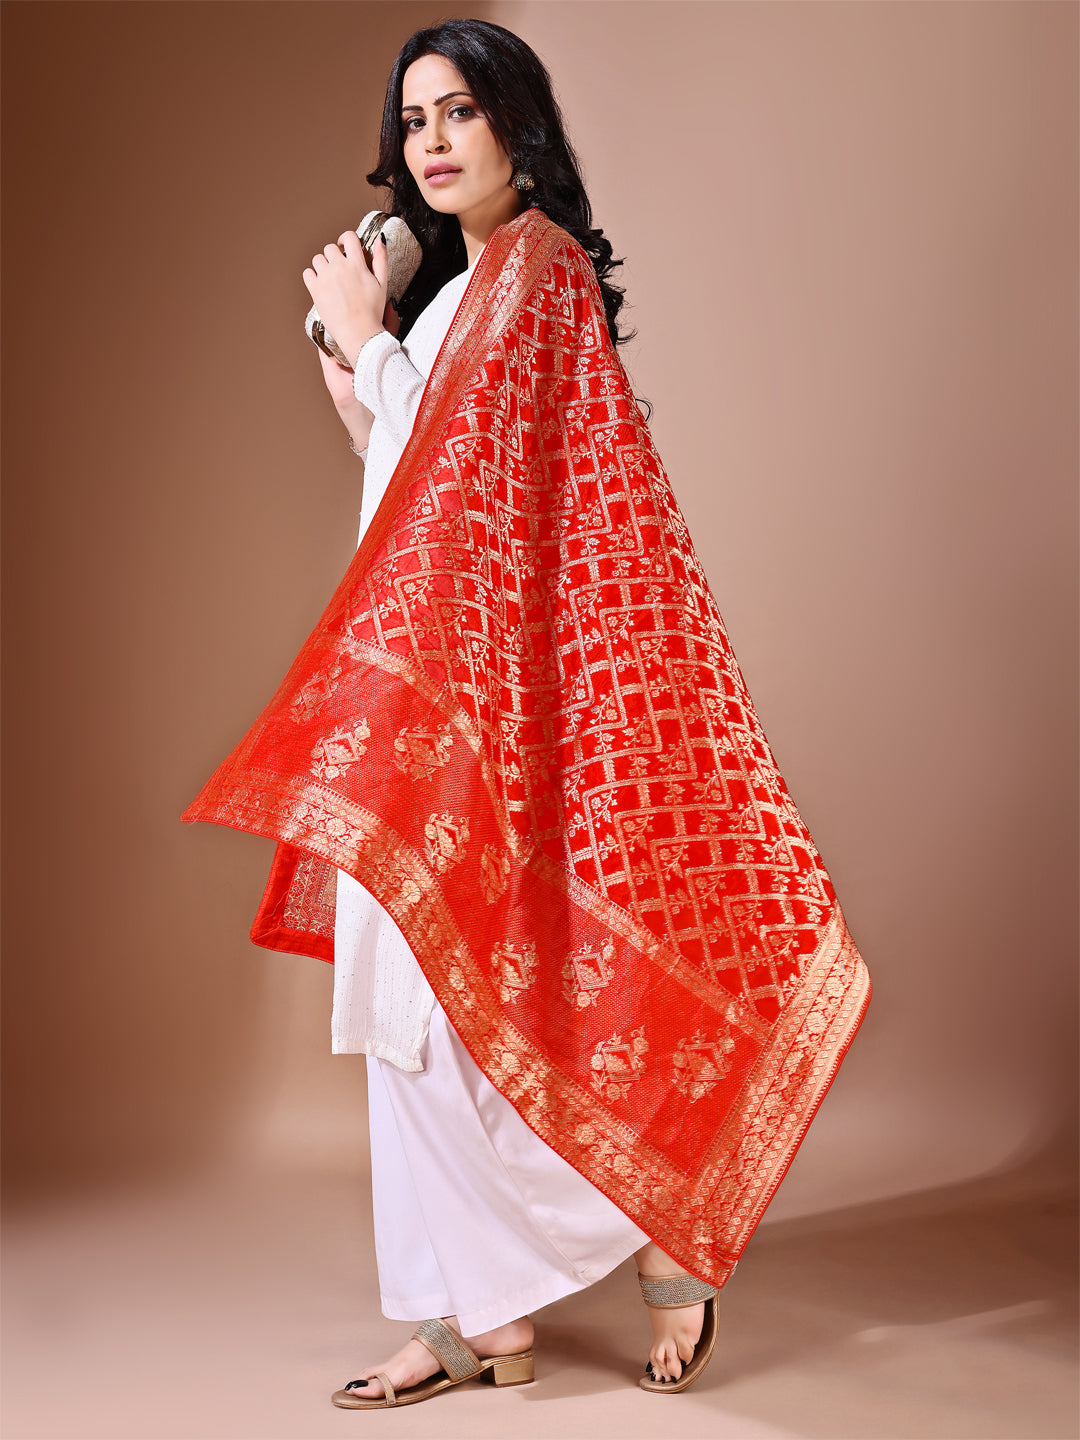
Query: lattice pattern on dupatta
[[521, 726]]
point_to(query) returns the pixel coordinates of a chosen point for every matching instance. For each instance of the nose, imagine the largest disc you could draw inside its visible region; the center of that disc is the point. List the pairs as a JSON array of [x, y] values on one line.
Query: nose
[[435, 139]]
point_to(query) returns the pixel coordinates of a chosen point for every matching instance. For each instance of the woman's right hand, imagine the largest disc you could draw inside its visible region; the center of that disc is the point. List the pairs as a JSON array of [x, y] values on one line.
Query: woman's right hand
[[339, 378]]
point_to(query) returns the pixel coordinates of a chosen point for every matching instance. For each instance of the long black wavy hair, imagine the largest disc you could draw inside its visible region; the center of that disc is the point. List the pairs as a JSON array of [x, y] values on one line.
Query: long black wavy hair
[[514, 91]]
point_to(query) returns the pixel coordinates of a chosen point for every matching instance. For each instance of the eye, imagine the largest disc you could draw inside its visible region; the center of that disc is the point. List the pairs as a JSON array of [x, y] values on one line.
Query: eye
[[414, 121]]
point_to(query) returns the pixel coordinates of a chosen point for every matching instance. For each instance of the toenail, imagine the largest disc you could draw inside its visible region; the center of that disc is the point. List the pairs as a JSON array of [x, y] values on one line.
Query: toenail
[[355, 1384]]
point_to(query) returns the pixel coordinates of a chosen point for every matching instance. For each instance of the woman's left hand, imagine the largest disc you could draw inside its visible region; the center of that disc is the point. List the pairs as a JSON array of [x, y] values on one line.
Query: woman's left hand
[[349, 295]]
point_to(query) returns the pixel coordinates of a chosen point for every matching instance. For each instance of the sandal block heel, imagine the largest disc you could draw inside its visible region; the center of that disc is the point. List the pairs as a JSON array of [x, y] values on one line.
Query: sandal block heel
[[517, 1370]]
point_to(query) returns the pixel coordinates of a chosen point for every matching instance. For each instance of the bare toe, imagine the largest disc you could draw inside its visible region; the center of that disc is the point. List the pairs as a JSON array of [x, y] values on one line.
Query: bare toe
[[365, 1387], [676, 1332], [412, 1364]]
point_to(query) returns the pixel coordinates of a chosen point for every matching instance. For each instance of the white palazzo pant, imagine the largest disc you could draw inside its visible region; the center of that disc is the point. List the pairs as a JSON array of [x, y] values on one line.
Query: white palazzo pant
[[475, 1215]]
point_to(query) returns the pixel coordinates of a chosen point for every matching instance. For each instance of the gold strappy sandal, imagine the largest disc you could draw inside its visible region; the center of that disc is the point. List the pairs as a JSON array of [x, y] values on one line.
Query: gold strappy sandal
[[671, 1292], [458, 1362]]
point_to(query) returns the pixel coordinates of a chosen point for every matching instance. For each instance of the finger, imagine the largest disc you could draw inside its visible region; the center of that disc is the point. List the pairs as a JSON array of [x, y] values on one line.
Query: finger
[[380, 261], [331, 252], [350, 243]]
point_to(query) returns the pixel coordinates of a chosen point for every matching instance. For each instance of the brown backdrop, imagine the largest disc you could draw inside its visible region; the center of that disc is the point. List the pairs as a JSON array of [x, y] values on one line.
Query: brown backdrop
[[850, 235]]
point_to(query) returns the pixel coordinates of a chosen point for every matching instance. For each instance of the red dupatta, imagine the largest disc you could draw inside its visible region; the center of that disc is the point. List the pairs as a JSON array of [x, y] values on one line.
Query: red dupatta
[[521, 726]]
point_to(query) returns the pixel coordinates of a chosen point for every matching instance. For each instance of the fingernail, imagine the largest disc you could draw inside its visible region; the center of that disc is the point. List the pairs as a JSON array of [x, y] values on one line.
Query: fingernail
[[382, 237]]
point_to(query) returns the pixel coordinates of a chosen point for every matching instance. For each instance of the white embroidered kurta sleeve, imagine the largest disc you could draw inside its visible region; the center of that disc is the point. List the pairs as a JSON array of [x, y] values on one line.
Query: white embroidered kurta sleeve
[[389, 384], [382, 1001]]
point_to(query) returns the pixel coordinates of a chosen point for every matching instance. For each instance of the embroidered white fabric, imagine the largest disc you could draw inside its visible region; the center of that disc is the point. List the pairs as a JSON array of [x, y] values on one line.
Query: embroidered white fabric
[[382, 1000]]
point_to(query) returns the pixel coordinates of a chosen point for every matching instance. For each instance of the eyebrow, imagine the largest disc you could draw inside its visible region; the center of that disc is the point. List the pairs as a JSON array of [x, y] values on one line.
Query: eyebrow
[[439, 101]]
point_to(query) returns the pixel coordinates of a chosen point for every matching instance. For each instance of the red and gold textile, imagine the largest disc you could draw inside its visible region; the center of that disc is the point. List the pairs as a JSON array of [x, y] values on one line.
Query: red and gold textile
[[521, 726]]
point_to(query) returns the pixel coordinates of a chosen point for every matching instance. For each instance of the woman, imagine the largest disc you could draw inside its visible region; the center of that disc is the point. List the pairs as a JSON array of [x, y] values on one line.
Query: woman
[[521, 795]]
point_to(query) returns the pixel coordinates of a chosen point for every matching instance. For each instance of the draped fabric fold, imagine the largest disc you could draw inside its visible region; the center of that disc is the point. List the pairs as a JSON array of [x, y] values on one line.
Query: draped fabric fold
[[520, 724]]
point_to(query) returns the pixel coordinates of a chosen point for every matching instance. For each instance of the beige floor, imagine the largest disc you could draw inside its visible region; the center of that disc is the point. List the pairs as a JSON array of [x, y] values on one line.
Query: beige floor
[[231, 1307]]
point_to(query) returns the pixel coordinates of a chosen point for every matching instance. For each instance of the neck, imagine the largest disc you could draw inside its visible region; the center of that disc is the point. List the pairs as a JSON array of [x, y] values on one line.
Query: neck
[[480, 223]]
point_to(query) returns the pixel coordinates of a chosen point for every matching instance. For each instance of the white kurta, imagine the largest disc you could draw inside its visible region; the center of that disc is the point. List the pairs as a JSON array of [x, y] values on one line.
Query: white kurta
[[382, 1002], [475, 1215]]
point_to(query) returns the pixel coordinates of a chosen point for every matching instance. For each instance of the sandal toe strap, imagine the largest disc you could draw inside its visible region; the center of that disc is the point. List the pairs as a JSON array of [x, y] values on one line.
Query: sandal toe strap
[[667, 1292], [449, 1349], [384, 1380]]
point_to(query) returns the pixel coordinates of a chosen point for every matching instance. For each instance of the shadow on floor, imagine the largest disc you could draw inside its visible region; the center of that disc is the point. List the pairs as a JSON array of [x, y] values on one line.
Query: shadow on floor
[[231, 1306]]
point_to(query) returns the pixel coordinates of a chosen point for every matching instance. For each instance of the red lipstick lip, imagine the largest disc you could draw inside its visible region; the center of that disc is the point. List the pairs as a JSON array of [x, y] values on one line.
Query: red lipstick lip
[[430, 170]]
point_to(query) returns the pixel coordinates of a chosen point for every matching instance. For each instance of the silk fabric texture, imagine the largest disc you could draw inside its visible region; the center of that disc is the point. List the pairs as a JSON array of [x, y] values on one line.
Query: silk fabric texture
[[520, 724]]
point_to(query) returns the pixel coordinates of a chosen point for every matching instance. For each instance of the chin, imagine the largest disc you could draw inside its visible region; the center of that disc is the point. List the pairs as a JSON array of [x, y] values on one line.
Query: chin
[[434, 198]]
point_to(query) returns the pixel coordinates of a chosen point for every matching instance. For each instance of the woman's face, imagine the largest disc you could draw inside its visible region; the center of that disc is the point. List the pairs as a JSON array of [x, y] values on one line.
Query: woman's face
[[443, 127]]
